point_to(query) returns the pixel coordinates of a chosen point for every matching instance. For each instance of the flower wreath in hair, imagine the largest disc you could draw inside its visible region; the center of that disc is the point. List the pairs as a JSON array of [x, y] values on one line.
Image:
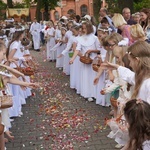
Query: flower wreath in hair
[[124, 42], [13, 30], [106, 30]]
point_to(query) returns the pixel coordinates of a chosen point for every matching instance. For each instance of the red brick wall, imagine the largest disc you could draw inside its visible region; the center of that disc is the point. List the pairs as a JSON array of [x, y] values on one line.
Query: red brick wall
[[67, 5]]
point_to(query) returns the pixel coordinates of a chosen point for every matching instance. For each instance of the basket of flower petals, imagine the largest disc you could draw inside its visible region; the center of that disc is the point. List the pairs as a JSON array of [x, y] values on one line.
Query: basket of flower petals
[[28, 71]]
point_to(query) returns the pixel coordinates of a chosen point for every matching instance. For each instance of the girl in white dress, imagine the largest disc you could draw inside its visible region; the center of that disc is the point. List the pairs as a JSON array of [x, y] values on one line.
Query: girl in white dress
[[75, 67], [50, 34], [68, 40], [60, 59], [111, 41], [14, 53], [87, 43]]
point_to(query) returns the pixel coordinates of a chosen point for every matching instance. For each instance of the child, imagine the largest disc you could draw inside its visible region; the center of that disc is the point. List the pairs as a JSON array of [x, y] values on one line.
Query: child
[[124, 95], [113, 40], [87, 43], [60, 60], [137, 114], [50, 34]]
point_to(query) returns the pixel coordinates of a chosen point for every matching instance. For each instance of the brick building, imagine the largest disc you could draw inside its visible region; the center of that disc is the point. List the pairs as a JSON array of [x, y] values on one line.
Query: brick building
[[79, 7]]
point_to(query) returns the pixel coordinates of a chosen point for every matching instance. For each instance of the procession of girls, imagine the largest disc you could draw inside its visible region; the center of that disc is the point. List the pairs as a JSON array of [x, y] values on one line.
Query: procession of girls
[[124, 69], [13, 83]]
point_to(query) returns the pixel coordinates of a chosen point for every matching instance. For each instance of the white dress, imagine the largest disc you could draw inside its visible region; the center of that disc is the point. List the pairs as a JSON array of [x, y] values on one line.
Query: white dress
[[66, 66], [60, 61], [16, 90], [85, 43], [75, 72], [4, 112], [35, 31], [51, 54], [100, 99], [72, 68]]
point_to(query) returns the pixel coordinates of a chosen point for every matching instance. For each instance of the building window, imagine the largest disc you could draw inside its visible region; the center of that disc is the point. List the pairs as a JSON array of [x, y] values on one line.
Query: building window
[[71, 11], [56, 15], [84, 10]]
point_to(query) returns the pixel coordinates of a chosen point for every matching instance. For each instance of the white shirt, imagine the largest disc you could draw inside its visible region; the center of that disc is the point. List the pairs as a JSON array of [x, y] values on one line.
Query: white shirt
[[35, 28], [129, 76]]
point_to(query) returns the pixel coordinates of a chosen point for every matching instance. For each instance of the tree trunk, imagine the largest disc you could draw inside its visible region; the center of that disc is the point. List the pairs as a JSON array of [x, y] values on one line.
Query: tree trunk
[[38, 8], [9, 4], [46, 11]]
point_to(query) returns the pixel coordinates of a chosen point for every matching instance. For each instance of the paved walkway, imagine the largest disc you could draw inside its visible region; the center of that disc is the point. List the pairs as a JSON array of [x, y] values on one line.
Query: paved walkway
[[56, 118]]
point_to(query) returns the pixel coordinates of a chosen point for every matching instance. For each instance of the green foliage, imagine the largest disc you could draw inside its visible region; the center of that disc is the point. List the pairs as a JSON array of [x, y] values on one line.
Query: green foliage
[[138, 5], [27, 3], [50, 3], [19, 5], [2, 5]]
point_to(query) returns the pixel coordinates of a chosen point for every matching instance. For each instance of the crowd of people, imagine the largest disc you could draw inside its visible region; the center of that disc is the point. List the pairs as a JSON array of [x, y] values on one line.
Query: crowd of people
[[108, 63]]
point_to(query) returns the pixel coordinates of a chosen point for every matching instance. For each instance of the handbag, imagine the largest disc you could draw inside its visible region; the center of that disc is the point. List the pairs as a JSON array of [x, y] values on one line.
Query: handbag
[[6, 101], [86, 59], [1, 128]]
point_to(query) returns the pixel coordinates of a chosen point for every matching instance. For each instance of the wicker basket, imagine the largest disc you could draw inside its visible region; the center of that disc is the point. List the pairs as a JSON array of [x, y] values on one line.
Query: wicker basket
[[27, 71], [6, 101], [86, 59], [96, 63], [95, 67], [1, 128]]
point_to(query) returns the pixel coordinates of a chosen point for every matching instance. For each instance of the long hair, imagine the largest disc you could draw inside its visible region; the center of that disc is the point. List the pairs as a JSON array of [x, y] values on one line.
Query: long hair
[[115, 37], [137, 114], [141, 51], [118, 20], [146, 11], [16, 37], [89, 27], [137, 31]]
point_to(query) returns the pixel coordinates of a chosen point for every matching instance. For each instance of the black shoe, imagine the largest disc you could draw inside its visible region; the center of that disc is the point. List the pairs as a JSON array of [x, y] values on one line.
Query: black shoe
[[38, 50]]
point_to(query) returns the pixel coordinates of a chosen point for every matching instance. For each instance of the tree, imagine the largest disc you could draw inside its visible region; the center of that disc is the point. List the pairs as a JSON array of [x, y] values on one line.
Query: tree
[[47, 5], [3, 7], [139, 4], [10, 3]]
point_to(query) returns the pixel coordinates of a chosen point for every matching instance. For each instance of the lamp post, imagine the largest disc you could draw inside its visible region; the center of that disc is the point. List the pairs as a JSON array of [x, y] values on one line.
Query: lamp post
[[42, 11]]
